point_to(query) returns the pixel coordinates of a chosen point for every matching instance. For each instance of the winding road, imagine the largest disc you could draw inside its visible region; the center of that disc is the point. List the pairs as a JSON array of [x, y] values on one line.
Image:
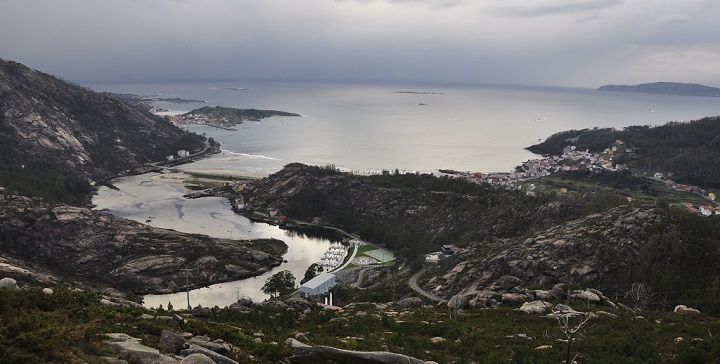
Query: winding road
[[414, 285]]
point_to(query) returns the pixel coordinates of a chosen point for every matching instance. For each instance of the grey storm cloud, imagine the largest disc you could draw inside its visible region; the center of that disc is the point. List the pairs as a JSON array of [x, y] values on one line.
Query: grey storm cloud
[[542, 8], [541, 42]]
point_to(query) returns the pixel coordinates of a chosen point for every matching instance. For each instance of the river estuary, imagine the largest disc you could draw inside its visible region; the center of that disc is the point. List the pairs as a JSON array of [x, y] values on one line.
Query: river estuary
[[157, 199]]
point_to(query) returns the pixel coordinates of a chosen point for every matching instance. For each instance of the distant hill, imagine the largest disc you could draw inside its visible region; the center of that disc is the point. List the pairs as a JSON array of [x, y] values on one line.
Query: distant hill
[[55, 136], [666, 88]]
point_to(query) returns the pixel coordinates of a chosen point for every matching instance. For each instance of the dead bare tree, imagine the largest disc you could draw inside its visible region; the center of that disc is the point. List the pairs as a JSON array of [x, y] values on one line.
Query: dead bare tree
[[565, 320], [638, 296]]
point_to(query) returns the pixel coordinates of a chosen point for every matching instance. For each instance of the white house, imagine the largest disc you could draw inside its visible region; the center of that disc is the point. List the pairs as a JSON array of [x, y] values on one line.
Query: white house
[[321, 284]]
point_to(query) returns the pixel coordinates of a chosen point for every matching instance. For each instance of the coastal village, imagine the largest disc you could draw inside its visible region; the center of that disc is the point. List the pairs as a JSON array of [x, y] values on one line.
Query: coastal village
[[577, 160], [202, 119]]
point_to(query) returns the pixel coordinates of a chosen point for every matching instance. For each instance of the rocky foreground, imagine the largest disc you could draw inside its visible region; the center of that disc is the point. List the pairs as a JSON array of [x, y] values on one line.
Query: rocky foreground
[[50, 244], [591, 252]]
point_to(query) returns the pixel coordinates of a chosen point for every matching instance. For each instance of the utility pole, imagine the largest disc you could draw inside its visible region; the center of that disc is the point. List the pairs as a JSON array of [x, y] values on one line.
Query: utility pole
[[186, 271]]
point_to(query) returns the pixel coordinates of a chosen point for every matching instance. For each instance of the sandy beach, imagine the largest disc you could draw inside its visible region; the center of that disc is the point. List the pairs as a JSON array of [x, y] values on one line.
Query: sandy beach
[[241, 166]]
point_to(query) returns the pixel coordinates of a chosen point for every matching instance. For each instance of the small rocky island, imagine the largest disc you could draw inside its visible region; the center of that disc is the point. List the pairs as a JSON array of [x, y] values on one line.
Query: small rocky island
[[666, 88], [225, 117]]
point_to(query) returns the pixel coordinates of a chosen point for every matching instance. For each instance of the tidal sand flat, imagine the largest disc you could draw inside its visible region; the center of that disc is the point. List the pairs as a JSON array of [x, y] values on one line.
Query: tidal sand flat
[[157, 199]]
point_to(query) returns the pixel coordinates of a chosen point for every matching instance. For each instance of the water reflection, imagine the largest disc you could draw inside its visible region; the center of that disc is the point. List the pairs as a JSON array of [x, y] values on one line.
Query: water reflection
[[150, 197]]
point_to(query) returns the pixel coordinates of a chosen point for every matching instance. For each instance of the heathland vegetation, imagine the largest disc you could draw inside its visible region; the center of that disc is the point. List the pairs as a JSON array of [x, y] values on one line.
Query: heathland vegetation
[[70, 326]]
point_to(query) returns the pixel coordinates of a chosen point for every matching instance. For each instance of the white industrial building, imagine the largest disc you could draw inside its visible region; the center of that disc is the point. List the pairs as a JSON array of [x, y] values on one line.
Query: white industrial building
[[321, 284]]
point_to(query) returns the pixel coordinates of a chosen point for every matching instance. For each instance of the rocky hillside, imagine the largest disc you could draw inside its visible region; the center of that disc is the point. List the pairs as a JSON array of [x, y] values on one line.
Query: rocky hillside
[[588, 252], [48, 244], [414, 214], [670, 251], [588, 240], [49, 127]]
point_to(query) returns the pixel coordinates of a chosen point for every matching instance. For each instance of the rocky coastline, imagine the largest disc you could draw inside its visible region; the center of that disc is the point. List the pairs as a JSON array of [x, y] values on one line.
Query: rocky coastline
[[46, 243]]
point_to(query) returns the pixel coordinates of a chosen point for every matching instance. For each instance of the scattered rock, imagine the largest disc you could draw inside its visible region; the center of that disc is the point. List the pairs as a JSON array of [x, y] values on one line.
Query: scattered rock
[[109, 360], [202, 312], [301, 336], [508, 282], [558, 291], [295, 343], [131, 347], [543, 347], [217, 346], [217, 358], [606, 314], [326, 354], [564, 309], [48, 291], [437, 339], [684, 310], [543, 295], [513, 299], [535, 307], [8, 283], [410, 302], [197, 358], [171, 343], [584, 296]]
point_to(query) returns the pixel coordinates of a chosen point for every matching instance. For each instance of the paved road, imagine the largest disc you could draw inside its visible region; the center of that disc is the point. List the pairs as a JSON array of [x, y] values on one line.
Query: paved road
[[414, 285], [358, 282]]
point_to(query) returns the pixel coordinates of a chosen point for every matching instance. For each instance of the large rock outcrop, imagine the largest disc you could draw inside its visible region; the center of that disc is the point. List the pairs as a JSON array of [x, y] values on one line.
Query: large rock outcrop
[[587, 252], [326, 354], [44, 243]]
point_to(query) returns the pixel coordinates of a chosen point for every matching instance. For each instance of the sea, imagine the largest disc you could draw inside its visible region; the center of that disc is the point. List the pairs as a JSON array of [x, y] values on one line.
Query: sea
[[409, 127], [363, 128]]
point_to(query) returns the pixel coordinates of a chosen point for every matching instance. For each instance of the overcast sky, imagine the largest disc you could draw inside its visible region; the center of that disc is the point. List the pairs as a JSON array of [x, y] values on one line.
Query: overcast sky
[[584, 43]]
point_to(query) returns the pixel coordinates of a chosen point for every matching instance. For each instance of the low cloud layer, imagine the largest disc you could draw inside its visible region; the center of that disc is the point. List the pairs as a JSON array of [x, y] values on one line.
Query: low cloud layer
[[534, 42]]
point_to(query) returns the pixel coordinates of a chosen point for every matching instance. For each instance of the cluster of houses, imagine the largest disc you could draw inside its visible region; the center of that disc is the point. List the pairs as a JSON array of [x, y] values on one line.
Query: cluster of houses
[[576, 160], [571, 160], [182, 119], [702, 209], [201, 119], [182, 153]]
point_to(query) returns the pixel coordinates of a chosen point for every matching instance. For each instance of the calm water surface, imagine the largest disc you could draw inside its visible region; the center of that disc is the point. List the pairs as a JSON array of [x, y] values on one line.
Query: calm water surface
[[372, 127]]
